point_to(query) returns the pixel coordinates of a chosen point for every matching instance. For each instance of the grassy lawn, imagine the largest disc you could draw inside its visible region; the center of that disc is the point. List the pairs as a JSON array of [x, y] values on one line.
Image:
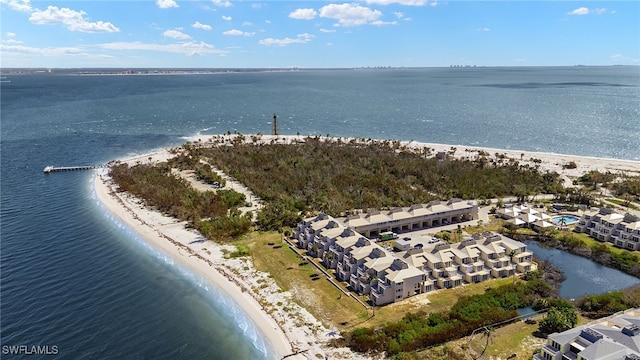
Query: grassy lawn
[[314, 292], [622, 203], [592, 243], [517, 338], [308, 285], [493, 225]]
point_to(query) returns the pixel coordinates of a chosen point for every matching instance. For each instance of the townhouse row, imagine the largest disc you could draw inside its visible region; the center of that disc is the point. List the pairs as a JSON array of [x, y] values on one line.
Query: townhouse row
[[608, 226], [388, 277]]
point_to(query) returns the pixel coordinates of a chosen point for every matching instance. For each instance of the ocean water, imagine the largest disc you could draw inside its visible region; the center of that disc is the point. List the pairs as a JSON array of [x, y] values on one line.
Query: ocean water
[[75, 278]]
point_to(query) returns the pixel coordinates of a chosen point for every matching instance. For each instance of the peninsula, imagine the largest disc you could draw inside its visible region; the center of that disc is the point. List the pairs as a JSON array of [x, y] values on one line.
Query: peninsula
[[290, 329]]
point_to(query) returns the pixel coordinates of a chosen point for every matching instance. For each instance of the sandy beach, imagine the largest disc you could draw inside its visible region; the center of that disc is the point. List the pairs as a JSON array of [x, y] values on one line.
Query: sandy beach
[[288, 328]]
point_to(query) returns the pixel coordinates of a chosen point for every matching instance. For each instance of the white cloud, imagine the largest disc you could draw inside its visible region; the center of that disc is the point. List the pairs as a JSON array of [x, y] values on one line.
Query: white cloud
[[227, 18], [176, 34], [484, 29], [73, 20], [350, 14], [236, 32], [257, 5], [383, 23], [400, 2], [327, 30], [201, 26], [10, 34], [247, 23], [166, 4], [48, 52], [303, 14], [11, 41], [402, 16], [221, 3], [586, 11], [19, 5], [267, 21], [300, 39], [579, 11], [187, 48]]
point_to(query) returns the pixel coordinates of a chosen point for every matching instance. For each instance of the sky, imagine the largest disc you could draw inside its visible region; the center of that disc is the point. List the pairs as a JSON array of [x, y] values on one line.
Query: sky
[[311, 34]]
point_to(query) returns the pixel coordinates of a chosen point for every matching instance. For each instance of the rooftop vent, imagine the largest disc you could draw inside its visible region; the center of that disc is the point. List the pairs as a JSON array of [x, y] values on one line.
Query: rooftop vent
[[631, 330], [590, 335]]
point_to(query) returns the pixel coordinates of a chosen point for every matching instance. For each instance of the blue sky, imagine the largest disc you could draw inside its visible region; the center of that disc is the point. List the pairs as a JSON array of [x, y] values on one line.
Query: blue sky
[[246, 34]]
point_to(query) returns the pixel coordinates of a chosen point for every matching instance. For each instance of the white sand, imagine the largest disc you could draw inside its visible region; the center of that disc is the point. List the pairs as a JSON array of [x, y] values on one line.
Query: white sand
[[287, 327]]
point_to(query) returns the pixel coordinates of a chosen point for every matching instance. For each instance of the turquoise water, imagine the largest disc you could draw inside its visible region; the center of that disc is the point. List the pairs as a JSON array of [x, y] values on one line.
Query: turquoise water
[[73, 277], [568, 219]]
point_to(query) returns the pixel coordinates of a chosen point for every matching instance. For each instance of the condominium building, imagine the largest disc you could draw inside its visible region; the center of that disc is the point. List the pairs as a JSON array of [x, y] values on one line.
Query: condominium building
[[389, 277], [616, 337], [419, 216], [608, 226]]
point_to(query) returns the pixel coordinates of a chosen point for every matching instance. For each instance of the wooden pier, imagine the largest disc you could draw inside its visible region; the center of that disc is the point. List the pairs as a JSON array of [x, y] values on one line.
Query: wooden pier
[[50, 169]]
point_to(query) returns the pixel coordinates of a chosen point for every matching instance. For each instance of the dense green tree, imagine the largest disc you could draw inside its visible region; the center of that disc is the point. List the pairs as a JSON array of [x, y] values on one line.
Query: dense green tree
[[559, 319], [278, 215]]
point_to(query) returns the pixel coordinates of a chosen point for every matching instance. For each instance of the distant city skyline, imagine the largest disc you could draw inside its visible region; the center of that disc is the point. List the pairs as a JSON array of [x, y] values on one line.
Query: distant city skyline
[[317, 34]]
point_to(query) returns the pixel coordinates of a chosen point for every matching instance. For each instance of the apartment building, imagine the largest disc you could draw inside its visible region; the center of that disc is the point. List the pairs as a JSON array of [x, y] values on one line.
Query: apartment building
[[419, 216], [606, 225], [616, 337], [389, 277]]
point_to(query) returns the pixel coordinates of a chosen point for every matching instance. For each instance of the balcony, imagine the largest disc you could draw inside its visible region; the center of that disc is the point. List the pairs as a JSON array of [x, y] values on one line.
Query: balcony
[[383, 286]]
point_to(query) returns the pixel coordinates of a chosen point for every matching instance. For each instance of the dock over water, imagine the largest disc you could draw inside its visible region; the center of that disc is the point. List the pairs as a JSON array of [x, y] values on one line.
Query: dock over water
[[50, 169]]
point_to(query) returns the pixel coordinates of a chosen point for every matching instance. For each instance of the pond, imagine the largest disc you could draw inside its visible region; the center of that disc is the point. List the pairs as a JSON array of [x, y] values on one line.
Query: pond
[[583, 276]]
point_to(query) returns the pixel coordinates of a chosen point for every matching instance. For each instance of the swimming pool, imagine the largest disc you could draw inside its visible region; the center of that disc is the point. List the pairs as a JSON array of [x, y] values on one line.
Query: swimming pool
[[568, 219]]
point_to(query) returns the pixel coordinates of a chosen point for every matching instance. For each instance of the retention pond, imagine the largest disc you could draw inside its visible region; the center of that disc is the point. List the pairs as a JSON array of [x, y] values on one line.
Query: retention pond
[[583, 276]]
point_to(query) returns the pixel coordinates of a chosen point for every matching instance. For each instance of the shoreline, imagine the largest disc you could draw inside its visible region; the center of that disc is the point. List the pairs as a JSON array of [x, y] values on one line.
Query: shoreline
[[282, 334], [142, 224]]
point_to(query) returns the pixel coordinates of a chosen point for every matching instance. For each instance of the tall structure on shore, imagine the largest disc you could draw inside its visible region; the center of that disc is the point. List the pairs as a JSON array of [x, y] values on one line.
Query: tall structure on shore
[[275, 124]]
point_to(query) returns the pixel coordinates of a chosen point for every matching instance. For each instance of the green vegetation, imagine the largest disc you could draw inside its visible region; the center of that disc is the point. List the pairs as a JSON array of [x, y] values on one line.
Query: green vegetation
[[241, 250], [558, 319], [336, 176], [420, 330], [625, 203], [629, 185], [622, 185], [278, 215], [213, 214], [596, 306]]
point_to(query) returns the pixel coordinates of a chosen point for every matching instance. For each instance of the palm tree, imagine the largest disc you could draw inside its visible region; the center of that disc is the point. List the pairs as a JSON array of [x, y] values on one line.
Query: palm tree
[[513, 253]]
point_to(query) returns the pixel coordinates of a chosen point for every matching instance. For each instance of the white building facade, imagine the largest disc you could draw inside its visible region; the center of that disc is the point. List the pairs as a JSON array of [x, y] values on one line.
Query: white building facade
[[606, 225], [388, 277]]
